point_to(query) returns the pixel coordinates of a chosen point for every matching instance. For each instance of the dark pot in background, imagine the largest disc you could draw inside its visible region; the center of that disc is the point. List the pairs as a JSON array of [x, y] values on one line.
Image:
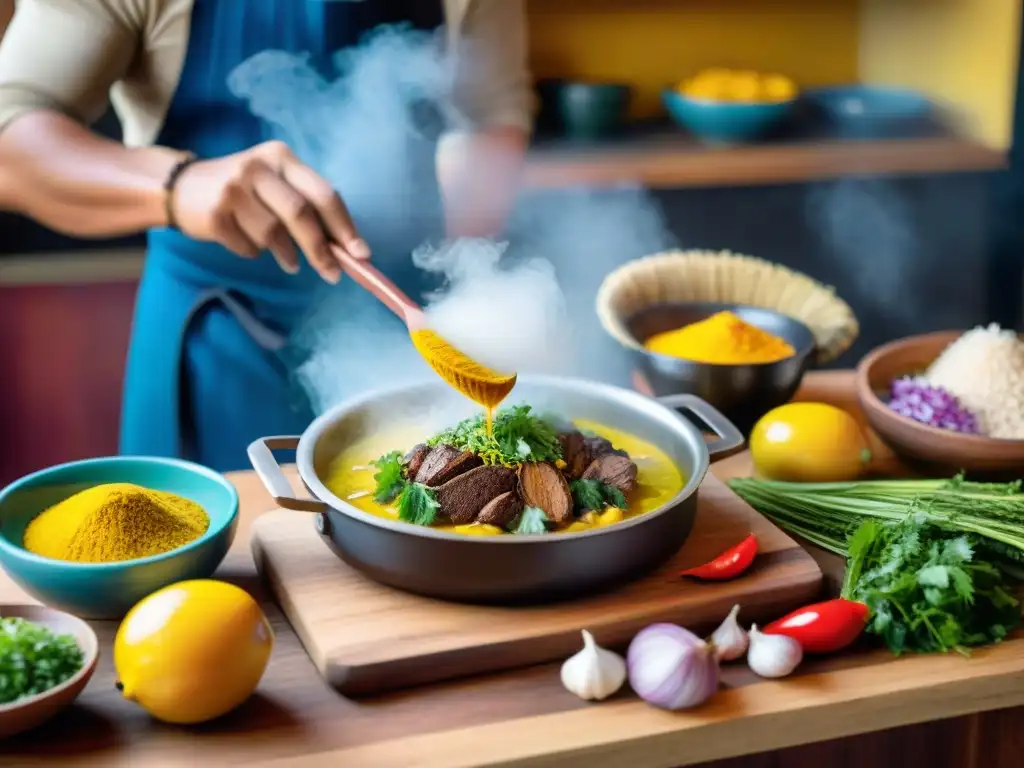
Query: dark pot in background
[[582, 110], [743, 392]]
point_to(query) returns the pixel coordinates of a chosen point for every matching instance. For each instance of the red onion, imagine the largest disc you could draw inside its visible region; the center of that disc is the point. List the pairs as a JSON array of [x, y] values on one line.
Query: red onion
[[671, 667], [918, 400]]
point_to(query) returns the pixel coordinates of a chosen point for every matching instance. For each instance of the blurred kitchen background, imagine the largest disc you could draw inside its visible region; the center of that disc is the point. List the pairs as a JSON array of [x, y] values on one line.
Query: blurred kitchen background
[[910, 203]]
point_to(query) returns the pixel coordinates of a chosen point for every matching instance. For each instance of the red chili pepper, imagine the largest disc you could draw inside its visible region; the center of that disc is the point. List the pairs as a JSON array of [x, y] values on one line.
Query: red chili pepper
[[823, 627], [729, 564]]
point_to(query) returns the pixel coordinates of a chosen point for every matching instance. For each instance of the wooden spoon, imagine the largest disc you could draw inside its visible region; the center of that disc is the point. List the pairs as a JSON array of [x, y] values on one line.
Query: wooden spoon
[[477, 382]]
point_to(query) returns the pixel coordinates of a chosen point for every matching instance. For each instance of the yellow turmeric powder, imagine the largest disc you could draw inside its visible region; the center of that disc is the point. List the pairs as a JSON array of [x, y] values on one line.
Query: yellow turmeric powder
[[723, 339], [114, 522]]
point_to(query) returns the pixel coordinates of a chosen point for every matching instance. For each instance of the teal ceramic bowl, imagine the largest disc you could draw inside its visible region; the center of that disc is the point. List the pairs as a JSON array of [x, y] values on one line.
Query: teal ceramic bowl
[[109, 590], [725, 122], [582, 110]]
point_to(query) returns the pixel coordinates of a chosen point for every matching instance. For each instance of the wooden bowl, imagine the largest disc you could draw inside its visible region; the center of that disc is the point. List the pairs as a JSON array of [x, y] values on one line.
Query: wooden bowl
[[27, 713], [937, 450]]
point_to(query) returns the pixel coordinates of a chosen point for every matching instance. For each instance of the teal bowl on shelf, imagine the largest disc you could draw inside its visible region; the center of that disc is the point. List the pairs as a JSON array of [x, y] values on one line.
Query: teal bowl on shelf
[[582, 110], [109, 590], [723, 121]]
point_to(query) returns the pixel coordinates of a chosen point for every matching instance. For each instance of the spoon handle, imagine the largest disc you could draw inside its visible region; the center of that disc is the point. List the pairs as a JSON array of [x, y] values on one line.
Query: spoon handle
[[370, 278]]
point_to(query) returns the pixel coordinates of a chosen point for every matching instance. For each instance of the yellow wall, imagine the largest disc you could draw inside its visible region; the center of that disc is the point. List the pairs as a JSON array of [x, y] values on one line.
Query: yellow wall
[[963, 53], [652, 43]]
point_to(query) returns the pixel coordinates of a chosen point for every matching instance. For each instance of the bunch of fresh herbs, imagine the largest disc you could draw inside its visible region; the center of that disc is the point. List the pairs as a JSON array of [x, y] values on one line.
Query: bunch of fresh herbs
[[827, 513], [926, 589], [33, 659], [517, 436]]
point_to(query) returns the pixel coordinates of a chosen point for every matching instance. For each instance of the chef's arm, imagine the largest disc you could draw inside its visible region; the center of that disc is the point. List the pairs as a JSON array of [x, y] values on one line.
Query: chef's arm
[[479, 164], [479, 176], [67, 178], [58, 60]]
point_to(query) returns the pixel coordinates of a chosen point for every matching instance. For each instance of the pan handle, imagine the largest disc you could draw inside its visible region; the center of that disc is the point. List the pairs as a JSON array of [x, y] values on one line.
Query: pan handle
[[261, 456], [729, 439]]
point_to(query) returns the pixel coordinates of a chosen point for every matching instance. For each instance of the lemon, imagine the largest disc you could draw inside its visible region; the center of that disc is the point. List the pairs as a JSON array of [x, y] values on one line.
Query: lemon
[[192, 651], [808, 442], [711, 84], [778, 88], [745, 86]]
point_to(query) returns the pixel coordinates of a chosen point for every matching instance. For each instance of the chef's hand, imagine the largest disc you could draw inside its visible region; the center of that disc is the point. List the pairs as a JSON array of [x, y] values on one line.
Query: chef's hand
[[264, 198]]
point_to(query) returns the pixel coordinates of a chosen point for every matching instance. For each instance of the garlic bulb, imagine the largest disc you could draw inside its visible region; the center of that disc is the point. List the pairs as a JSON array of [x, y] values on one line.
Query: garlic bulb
[[594, 673], [729, 640], [773, 655]]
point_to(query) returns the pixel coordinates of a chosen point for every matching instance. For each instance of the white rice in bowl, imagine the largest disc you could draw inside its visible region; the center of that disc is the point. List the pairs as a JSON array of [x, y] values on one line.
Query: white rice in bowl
[[984, 368]]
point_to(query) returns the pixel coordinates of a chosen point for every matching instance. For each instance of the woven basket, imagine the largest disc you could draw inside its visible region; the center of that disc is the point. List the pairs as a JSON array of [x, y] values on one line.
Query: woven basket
[[676, 277]]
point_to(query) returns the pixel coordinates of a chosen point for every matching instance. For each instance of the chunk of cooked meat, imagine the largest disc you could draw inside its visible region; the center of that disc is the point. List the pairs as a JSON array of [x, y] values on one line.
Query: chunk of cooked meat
[[462, 498], [542, 485], [501, 510], [598, 446], [574, 453], [413, 460], [614, 470], [443, 463], [434, 461]]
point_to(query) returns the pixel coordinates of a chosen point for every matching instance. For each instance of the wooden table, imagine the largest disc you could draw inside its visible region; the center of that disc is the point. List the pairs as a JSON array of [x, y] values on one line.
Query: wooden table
[[854, 710]]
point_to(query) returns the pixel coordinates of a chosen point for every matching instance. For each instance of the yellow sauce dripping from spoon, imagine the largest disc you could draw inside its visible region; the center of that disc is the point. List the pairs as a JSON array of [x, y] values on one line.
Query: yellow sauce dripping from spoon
[[479, 383]]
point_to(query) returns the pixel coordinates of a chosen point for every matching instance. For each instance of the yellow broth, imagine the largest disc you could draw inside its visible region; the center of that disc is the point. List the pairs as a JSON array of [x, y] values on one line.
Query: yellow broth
[[350, 477]]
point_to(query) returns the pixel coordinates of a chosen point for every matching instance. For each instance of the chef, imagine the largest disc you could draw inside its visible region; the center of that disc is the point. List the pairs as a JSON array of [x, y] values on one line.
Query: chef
[[241, 231]]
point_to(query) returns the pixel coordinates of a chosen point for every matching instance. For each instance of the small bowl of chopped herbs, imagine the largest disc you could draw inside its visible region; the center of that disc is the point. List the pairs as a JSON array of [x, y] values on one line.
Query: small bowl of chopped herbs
[[46, 659]]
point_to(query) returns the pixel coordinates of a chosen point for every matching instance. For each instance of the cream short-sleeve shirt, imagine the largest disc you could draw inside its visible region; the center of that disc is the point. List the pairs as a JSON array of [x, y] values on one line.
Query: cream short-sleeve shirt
[[74, 56]]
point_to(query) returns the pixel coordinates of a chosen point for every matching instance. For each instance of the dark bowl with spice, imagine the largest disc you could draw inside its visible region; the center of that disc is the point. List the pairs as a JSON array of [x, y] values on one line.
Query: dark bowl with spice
[[930, 449], [744, 392], [109, 584]]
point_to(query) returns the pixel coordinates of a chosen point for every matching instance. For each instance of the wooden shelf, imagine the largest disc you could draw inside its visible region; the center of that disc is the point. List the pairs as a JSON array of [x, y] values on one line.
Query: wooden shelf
[[667, 158]]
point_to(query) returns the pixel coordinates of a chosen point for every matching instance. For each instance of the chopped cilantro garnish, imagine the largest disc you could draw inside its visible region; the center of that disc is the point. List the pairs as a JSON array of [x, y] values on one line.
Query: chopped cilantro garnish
[[417, 504], [517, 437], [593, 494], [389, 478], [531, 521], [33, 659]]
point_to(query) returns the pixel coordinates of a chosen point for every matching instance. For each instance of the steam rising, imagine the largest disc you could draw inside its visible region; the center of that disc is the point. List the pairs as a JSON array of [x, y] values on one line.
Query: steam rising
[[510, 317], [526, 305], [866, 222]]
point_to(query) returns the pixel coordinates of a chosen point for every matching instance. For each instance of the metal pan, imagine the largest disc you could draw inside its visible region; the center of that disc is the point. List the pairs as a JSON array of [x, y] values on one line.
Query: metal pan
[[501, 569]]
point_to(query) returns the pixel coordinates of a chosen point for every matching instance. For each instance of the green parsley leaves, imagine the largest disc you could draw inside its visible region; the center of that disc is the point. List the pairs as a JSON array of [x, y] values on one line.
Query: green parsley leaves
[[389, 477], [417, 504], [926, 590], [517, 437], [531, 521], [593, 495], [33, 659]]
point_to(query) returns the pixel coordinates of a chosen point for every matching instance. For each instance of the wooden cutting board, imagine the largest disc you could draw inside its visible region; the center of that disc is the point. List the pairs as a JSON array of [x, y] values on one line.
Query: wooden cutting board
[[366, 638]]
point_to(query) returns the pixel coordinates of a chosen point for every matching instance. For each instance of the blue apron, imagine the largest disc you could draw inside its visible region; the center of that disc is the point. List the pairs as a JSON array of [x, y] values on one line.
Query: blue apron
[[212, 357]]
